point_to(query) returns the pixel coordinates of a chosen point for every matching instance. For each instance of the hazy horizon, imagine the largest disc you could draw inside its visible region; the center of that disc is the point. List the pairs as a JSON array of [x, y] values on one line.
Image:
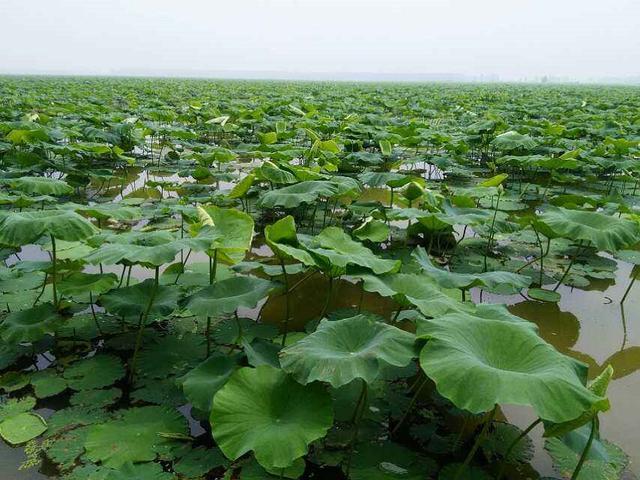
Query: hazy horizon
[[451, 40]]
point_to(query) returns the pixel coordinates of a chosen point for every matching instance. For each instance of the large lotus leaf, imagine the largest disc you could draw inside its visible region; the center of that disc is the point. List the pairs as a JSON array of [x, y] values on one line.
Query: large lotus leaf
[[134, 300], [138, 436], [489, 280], [605, 232], [30, 325], [478, 363], [226, 230], [513, 140], [417, 290], [201, 383], [265, 410], [336, 249], [22, 228], [226, 296], [22, 428], [605, 461], [41, 186], [79, 284], [283, 241], [343, 350], [94, 372], [295, 195]]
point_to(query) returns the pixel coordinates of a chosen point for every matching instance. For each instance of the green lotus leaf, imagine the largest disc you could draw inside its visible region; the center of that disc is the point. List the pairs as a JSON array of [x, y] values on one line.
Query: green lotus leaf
[[199, 461], [489, 280], [95, 398], [154, 255], [41, 186], [158, 391], [74, 417], [226, 296], [133, 301], [22, 427], [544, 295], [266, 411], [79, 284], [336, 249], [242, 187], [12, 381], [283, 241], [47, 383], [498, 441], [201, 383], [22, 228], [389, 461], [295, 195], [94, 372], [139, 435], [469, 472], [598, 386], [605, 232], [109, 210], [605, 461], [225, 230], [171, 355], [30, 325], [15, 406], [139, 471], [372, 230], [512, 140], [417, 290], [478, 363], [341, 351]]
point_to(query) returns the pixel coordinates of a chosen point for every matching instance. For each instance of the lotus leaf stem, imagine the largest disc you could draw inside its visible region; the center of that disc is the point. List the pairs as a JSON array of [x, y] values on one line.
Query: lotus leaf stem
[[513, 444], [476, 444], [587, 447]]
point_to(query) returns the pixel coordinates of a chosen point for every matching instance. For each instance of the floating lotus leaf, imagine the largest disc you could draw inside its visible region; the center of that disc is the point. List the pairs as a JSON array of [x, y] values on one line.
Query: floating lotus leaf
[[336, 249], [22, 228], [226, 296], [199, 461], [138, 436], [94, 372], [12, 381], [96, 398], [605, 461], [171, 355], [22, 427], [389, 461], [341, 351], [266, 411], [29, 325], [478, 363], [47, 383], [605, 232], [201, 383]]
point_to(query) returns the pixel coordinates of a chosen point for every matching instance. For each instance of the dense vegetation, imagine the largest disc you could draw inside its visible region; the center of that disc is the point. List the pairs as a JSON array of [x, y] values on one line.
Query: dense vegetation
[[156, 235]]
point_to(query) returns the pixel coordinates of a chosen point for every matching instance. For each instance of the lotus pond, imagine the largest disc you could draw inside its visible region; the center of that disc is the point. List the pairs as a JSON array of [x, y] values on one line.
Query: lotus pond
[[256, 280]]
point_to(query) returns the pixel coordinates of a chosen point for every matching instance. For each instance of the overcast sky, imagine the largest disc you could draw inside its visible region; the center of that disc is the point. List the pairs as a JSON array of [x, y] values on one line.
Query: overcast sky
[[514, 39]]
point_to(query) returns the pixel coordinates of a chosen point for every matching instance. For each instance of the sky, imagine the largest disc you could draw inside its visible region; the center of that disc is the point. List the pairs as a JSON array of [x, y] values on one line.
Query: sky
[[505, 39]]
